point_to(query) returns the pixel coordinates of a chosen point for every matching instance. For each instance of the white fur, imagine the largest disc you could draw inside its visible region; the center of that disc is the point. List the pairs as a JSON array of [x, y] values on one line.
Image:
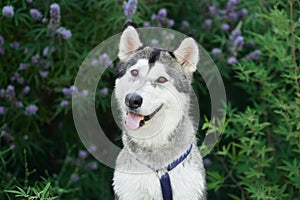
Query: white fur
[[129, 42], [133, 180], [187, 55], [186, 179], [186, 182], [165, 121]]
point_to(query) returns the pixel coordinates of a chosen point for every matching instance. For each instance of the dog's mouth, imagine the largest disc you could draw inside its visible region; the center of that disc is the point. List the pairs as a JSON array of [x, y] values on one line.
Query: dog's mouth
[[134, 120]]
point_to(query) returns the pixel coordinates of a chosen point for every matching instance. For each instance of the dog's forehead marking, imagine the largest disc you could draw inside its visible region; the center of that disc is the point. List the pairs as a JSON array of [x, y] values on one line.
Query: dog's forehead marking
[[154, 56]]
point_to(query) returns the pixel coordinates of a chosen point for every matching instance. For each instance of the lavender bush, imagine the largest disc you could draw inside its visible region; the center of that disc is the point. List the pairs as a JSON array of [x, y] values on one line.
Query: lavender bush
[[255, 44]]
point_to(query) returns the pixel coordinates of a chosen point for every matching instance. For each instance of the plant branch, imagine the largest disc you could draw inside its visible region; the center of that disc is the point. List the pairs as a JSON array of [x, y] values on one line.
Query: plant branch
[[292, 29]]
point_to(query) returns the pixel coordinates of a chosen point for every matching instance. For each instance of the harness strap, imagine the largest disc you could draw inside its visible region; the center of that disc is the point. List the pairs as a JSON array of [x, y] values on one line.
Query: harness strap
[[165, 182], [165, 185]]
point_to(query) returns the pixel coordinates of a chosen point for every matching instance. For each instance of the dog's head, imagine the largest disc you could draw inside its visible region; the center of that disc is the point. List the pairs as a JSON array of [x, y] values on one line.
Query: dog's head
[[153, 85]]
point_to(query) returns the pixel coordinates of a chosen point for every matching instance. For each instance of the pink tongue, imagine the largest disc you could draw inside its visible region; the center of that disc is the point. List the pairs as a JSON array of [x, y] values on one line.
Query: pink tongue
[[133, 121]]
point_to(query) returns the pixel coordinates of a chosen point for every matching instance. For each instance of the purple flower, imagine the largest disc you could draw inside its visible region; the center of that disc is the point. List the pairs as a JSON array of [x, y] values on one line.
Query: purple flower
[[15, 45], [225, 27], [104, 91], [238, 43], [65, 33], [29, 1], [2, 110], [234, 34], [20, 80], [10, 90], [1, 40], [26, 90], [231, 5], [104, 60], [45, 20], [185, 24], [253, 55], [213, 10], [84, 93], [55, 14], [19, 104], [171, 22], [25, 51], [129, 9], [236, 2], [92, 148], [169, 36], [207, 162], [14, 77], [207, 24], [82, 154], [92, 165], [2, 51], [17, 77], [68, 92], [43, 74], [232, 17], [232, 60], [36, 14], [8, 11], [95, 62], [216, 51], [64, 103], [35, 59], [162, 13], [45, 63], [146, 24], [74, 177], [46, 50], [242, 13], [249, 45], [23, 66], [154, 42], [31, 110]]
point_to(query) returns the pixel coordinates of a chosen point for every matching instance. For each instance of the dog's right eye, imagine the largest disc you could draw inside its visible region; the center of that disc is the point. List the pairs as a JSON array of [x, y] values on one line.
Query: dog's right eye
[[134, 72]]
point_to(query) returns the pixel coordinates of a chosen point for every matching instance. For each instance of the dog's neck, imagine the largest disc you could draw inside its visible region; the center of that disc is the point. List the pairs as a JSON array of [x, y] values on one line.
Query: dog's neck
[[162, 154]]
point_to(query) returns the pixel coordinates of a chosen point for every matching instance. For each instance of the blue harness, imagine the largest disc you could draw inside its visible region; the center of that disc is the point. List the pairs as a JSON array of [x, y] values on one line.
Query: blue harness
[[165, 182]]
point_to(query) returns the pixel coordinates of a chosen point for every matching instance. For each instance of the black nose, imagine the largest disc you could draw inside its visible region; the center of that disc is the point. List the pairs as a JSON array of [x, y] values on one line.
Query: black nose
[[133, 100]]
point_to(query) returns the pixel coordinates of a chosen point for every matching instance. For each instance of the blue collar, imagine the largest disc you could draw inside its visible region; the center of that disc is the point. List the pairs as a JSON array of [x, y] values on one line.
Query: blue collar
[[165, 182]]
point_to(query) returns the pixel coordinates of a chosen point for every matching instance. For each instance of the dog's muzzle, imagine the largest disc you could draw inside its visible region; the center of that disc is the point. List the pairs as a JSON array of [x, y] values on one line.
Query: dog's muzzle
[[134, 120]]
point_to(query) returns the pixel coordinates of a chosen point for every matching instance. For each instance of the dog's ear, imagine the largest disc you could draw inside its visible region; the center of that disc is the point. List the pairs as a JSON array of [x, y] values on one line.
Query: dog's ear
[[187, 54], [129, 43]]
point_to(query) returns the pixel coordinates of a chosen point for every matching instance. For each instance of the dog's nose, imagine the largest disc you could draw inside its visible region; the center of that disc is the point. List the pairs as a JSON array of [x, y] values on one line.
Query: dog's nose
[[133, 100]]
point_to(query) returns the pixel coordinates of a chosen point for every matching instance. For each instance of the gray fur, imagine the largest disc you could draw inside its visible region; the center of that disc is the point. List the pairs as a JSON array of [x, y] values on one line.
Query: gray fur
[[136, 158], [166, 57]]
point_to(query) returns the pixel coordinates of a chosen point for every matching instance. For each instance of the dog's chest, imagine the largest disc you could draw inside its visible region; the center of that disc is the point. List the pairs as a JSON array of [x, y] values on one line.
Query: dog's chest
[[186, 181]]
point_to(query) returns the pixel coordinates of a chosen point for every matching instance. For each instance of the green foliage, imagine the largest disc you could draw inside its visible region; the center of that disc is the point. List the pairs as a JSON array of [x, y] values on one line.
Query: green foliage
[[260, 147], [36, 192]]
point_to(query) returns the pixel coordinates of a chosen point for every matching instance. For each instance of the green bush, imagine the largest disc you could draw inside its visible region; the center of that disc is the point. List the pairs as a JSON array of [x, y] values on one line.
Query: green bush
[[255, 45]]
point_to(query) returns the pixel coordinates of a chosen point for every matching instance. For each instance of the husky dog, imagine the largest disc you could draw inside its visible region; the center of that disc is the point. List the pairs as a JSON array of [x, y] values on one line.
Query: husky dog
[[160, 159]]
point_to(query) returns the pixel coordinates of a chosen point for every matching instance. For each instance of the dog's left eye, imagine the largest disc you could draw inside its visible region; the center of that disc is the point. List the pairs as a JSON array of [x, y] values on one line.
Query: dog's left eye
[[134, 72], [162, 79]]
